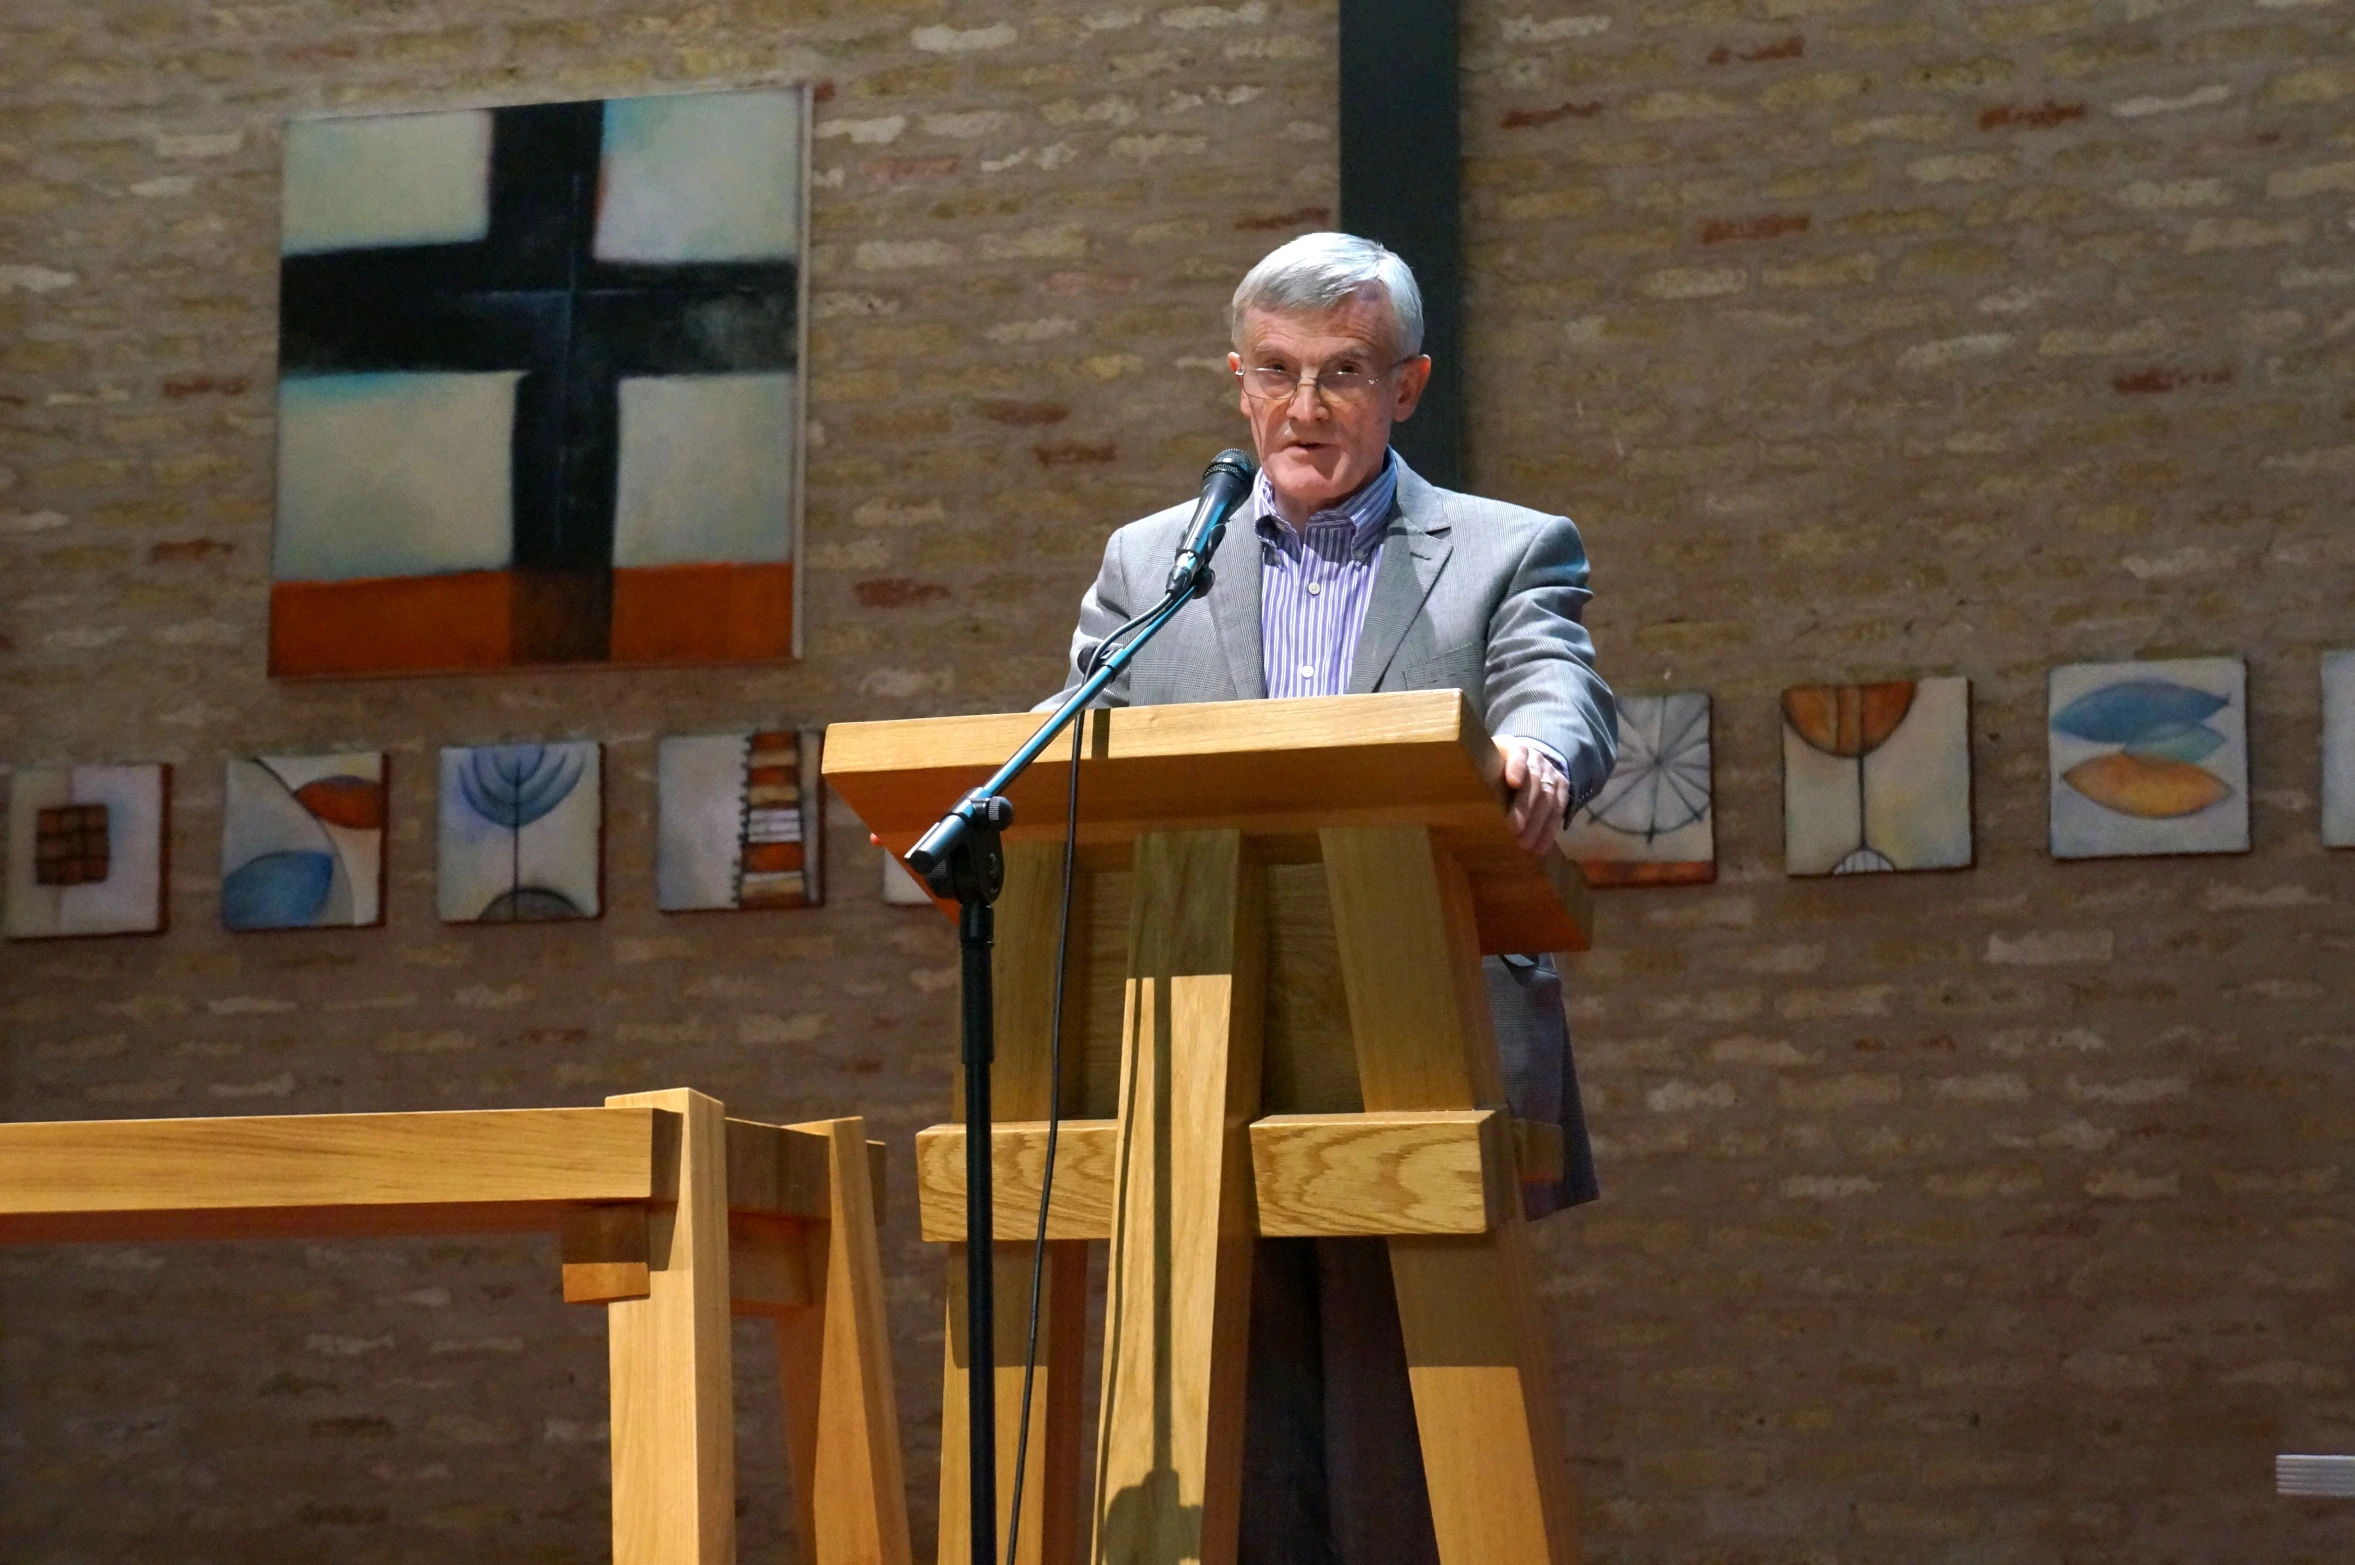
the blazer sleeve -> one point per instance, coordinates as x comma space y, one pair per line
1103, 609
1541, 678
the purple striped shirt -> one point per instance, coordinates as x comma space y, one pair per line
1315, 582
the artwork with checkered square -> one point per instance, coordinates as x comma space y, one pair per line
69, 845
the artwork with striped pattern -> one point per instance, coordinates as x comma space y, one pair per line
739, 821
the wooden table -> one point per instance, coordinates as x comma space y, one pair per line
667, 1212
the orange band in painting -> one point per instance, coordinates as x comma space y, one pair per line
702, 613
392, 624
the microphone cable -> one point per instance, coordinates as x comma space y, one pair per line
1046, 1193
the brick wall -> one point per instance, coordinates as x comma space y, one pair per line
1983, 1216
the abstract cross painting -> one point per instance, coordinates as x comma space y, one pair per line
2338, 748
539, 396
522, 833
86, 851
302, 841
1877, 777
2149, 758
739, 821
1651, 823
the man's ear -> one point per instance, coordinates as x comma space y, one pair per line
1413, 376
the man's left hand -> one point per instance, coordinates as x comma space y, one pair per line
1541, 794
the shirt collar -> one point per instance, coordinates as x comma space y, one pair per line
1367, 511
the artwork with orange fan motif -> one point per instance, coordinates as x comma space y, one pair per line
1877, 777
2149, 758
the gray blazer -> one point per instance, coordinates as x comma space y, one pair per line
1472, 594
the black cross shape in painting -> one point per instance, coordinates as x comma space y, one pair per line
533, 296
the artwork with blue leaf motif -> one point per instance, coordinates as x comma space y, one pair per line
2149, 758
522, 828
302, 841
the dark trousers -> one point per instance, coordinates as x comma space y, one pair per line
1332, 1465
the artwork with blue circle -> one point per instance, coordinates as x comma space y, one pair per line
521, 833
302, 841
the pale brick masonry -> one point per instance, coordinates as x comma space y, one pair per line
1996, 1215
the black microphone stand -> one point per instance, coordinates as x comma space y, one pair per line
962, 857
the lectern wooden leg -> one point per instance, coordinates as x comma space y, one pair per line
674, 1431
1177, 1313
834, 1361
1050, 1484
1476, 1350
1023, 982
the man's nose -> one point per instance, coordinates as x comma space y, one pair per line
1316, 402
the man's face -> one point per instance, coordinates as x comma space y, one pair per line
1317, 447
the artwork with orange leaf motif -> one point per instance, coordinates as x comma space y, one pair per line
2149, 758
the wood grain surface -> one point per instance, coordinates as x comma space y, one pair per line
1176, 1320
482, 1171
1278, 771
674, 1428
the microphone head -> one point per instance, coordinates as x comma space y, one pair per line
1235, 461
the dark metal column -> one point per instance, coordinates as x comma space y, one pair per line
1401, 183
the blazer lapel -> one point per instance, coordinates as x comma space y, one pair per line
1414, 552
1233, 602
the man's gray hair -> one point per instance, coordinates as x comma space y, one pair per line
1320, 272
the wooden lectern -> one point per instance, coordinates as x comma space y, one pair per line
1275, 1023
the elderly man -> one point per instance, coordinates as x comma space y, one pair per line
1346, 572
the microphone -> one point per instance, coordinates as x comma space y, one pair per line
1224, 484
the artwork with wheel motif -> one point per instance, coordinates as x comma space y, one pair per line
522, 833
1877, 777
1651, 824
2149, 758
302, 841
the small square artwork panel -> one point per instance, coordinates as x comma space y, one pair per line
901, 888
2338, 748
1652, 823
302, 841
521, 833
1877, 777
86, 851
539, 390
739, 821
2149, 758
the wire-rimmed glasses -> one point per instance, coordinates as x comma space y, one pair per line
1343, 383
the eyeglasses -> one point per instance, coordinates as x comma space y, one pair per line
1279, 383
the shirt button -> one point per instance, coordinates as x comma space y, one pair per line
1308, 671
1315, 587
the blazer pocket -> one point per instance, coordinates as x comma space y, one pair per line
1464, 666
